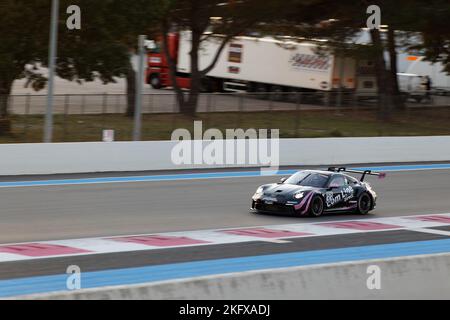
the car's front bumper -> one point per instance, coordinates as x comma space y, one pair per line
273, 208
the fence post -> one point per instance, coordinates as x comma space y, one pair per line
26, 115
118, 111
339, 98
240, 109
214, 102
104, 108
298, 97
9, 102
53, 48
150, 103
208, 109
269, 122
104, 103
174, 112
354, 102
137, 132
65, 114
83, 102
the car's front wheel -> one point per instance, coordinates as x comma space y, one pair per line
155, 81
364, 203
317, 206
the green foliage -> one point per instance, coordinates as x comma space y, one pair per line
210, 19
432, 22
100, 50
22, 40
110, 28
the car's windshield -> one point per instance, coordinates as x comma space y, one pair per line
308, 179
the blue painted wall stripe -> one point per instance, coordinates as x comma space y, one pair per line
192, 176
128, 276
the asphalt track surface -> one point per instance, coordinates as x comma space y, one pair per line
111, 209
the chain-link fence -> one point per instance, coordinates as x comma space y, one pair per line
83, 117
82, 104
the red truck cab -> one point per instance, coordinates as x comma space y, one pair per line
158, 72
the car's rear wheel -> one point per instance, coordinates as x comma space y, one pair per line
364, 203
317, 206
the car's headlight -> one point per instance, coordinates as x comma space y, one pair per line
260, 190
299, 195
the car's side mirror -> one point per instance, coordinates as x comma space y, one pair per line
282, 180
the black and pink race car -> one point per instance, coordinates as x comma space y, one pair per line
314, 192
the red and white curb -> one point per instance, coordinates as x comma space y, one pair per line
274, 233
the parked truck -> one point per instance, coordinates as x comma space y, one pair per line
260, 64
440, 79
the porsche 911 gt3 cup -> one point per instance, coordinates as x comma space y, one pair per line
315, 192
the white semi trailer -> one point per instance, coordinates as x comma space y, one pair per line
264, 65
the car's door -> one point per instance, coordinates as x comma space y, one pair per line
336, 195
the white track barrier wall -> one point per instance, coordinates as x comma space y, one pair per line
21, 159
419, 277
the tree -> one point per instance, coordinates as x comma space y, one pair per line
401, 20
435, 32
418, 25
340, 22
236, 17
101, 49
106, 42
128, 20
21, 43
336, 21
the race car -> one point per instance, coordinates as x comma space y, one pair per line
315, 192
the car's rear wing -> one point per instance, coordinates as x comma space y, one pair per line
363, 173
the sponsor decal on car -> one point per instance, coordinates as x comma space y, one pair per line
331, 199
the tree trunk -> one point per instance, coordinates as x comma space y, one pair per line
172, 68
131, 90
383, 79
4, 105
190, 107
5, 91
397, 99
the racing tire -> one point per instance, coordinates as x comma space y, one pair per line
364, 203
317, 206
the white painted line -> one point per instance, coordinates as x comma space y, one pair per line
432, 231
199, 176
102, 245
6, 257
280, 241
412, 222
314, 229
